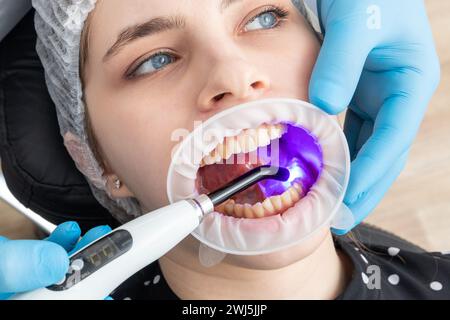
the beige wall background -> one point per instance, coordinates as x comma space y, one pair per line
417, 208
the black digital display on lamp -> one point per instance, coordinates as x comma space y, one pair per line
94, 257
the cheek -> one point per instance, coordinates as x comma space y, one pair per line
137, 146
282, 258
294, 67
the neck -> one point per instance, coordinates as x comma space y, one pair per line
321, 275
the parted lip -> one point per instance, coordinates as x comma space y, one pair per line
242, 236
195, 148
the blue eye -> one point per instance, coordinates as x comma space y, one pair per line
264, 21
154, 63
268, 19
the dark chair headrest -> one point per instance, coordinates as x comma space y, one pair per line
37, 168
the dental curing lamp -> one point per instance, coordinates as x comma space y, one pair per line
99, 268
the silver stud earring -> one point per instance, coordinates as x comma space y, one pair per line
118, 184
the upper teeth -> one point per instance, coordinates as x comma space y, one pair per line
247, 141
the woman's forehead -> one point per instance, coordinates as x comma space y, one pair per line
122, 11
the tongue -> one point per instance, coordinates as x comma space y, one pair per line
213, 177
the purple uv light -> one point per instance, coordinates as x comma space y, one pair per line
300, 152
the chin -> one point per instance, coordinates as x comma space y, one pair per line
282, 258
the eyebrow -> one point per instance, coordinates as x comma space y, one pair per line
154, 26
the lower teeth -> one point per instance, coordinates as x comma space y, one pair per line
270, 206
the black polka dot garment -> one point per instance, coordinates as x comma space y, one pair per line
391, 273
385, 267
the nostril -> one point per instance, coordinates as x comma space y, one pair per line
258, 85
219, 97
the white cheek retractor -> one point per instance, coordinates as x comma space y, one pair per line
220, 234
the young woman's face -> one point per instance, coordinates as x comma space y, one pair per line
155, 67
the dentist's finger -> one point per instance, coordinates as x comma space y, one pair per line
352, 129
341, 61
66, 235
372, 198
31, 264
395, 128
91, 236
367, 203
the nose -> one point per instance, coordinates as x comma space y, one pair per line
231, 81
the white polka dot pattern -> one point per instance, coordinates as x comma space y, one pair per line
365, 278
436, 286
394, 279
393, 251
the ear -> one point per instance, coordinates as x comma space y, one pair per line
111, 185
111, 178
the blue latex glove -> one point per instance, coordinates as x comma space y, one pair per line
381, 62
27, 265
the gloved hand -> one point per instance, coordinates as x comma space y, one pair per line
379, 59
27, 265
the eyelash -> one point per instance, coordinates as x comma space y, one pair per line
280, 12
